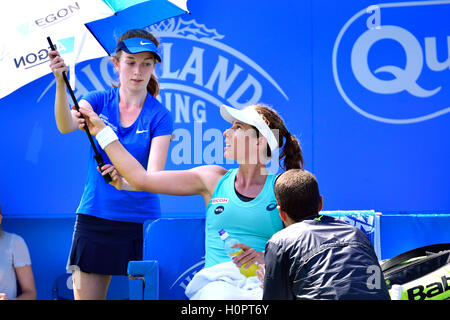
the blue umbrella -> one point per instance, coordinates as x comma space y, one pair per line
132, 14
81, 30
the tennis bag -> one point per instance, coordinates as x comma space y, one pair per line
419, 274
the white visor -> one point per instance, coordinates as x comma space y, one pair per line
250, 116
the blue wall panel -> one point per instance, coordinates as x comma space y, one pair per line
372, 146
376, 139
49, 240
374, 125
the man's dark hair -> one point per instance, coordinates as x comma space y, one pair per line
297, 193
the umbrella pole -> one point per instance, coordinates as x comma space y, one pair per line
98, 156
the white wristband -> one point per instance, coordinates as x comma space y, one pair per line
106, 136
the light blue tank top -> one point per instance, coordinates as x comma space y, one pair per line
253, 223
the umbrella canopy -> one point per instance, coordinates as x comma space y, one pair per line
81, 30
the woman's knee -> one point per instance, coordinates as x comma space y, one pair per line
90, 286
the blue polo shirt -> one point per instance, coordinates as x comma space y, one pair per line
103, 200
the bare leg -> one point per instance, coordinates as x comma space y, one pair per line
90, 286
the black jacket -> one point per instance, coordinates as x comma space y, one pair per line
322, 258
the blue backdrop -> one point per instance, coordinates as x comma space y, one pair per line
365, 90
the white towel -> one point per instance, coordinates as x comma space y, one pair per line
223, 282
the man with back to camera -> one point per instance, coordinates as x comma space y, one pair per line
317, 256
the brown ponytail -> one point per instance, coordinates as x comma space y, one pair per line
291, 156
153, 84
291, 153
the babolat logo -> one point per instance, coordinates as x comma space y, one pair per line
392, 69
55, 16
429, 291
33, 59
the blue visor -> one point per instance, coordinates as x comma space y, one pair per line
137, 45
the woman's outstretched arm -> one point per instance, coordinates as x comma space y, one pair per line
197, 181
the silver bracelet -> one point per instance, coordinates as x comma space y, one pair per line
106, 136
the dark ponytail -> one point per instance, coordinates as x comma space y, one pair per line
291, 156
153, 84
292, 153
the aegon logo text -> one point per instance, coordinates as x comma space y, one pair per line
415, 57
50, 19
33, 59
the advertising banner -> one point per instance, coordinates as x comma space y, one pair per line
365, 88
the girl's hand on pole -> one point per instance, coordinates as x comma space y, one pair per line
117, 179
57, 65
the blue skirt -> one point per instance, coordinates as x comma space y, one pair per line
104, 246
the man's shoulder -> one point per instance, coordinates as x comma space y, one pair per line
307, 229
289, 234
